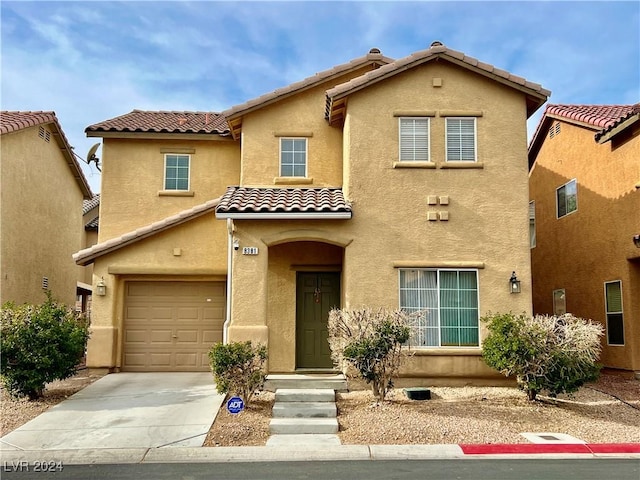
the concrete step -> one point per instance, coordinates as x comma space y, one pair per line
304, 410
287, 426
305, 395
321, 439
334, 382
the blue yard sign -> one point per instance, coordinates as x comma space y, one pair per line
235, 405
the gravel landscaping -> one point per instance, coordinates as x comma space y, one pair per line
607, 411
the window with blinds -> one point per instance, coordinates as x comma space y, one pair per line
461, 139
446, 306
615, 322
532, 223
414, 139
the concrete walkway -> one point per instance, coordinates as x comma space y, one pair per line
125, 410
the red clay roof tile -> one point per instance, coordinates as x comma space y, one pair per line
600, 116
164, 122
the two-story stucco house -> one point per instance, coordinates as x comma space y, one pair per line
42, 189
585, 221
380, 182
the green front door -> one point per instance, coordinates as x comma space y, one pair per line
316, 295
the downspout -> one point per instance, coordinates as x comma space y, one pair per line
227, 321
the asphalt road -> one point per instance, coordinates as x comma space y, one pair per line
459, 469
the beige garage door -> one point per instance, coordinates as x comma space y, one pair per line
171, 326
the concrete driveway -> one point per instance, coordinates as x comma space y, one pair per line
126, 410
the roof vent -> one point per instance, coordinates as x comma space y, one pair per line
375, 51
437, 44
182, 121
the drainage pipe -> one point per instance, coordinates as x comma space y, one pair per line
227, 321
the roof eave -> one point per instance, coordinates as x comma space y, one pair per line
285, 215
605, 137
159, 135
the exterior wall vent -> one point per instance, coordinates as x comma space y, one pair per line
44, 134
45, 283
554, 130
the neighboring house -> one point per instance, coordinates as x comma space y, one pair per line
41, 225
380, 182
90, 219
585, 221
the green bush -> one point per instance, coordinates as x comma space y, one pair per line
39, 344
371, 342
238, 368
545, 353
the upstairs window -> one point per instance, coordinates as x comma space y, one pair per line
414, 139
447, 301
176, 172
532, 223
461, 139
293, 157
613, 302
567, 198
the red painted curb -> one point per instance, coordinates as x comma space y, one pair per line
533, 448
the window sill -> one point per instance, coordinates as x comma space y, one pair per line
414, 165
462, 165
447, 351
292, 180
176, 193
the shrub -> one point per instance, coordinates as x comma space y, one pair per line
40, 344
370, 341
553, 354
238, 368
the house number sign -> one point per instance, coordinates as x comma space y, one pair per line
249, 250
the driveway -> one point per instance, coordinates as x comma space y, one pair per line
126, 410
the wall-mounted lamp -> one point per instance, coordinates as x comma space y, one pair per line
636, 240
236, 244
101, 288
514, 283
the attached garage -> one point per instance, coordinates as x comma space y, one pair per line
171, 326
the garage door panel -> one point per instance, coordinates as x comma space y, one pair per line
171, 326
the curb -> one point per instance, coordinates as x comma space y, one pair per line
312, 453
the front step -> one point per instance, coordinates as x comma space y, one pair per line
304, 410
335, 382
289, 426
305, 395
321, 439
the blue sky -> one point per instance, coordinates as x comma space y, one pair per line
90, 61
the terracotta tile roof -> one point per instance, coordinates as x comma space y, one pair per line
599, 116
140, 121
244, 201
14, 121
93, 224
634, 111
602, 118
88, 255
536, 95
88, 205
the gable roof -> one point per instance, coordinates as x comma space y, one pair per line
90, 204
233, 115
89, 255
15, 121
279, 203
141, 121
336, 96
603, 119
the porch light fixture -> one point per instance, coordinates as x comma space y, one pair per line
514, 283
636, 240
101, 288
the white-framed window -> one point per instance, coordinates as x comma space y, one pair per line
414, 139
567, 198
559, 302
460, 136
446, 302
293, 157
176, 171
613, 306
532, 223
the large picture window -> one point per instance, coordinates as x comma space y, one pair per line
567, 198
461, 139
414, 139
176, 172
446, 304
293, 157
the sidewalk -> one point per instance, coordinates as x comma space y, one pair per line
311, 453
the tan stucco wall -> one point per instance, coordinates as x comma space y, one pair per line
581, 251
40, 219
202, 256
133, 176
487, 226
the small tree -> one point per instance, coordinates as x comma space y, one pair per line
545, 353
370, 341
40, 344
238, 368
